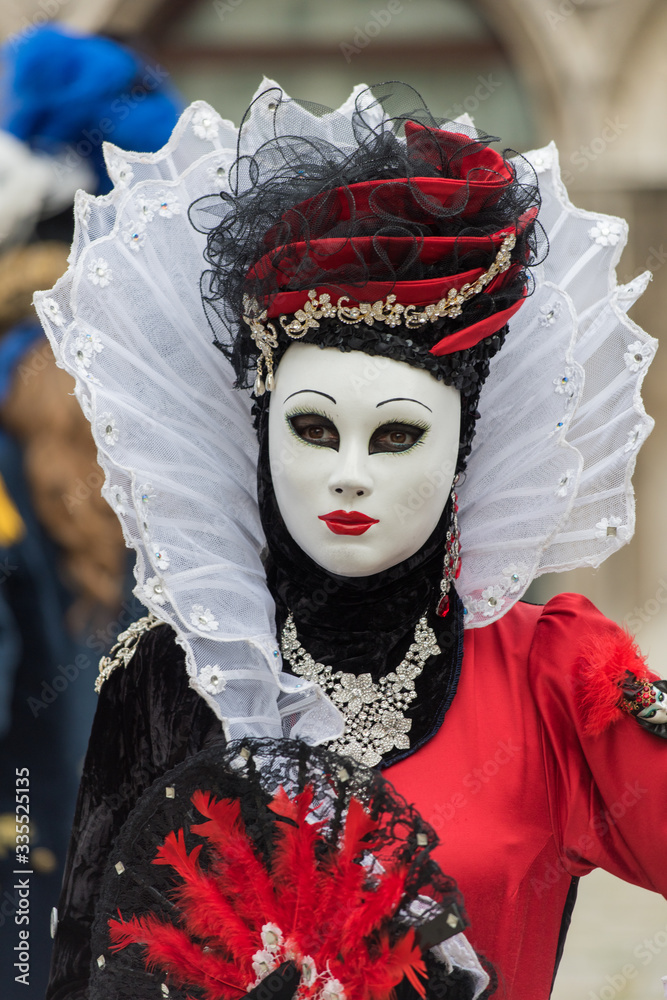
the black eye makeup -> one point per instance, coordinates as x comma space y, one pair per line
392, 437
314, 428
396, 436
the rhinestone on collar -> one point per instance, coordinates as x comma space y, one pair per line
373, 711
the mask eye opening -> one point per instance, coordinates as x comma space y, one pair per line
313, 428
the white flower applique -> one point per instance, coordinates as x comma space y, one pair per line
52, 312
85, 347
160, 558
564, 483
637, 356
83, 211
117, 497
308, 971
489, 603
515, 576
634, 438
607, 234
217, 173
492, 601
204, 124
263, 962
146, 209
332, 989
627, 294
88, 375
84, 402
549, 313
541, 161
99, 272
611, 527
153, 590
272, 936
203, 619
563, 384
146, 493
469, 605
120, 171
212, 680
106, 425
134, 235
167, 206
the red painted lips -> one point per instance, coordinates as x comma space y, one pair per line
347, 522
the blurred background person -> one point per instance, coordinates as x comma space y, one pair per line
65, 582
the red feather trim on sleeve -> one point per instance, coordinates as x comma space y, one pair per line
600, 673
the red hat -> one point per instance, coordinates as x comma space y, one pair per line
413, 249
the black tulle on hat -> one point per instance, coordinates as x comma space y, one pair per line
396, 206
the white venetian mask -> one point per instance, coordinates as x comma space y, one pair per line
363, 452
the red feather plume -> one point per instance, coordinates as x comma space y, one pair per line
599, 673
294, 865
342, 879
371, 911
358, 825
168, 947
238, 868
207, 911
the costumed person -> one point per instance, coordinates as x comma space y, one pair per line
64, 577
349, 580
63, 93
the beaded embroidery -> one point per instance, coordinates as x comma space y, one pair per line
647, 702
124, 649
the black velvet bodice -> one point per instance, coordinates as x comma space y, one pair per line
148, 720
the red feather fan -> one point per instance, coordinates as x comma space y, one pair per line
324, 907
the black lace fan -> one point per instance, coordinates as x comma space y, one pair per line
277, 869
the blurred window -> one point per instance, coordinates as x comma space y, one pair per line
317, 50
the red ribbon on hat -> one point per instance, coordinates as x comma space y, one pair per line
480, 176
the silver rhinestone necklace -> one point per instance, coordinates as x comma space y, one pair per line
373, 711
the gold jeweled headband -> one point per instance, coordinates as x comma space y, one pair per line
387, 311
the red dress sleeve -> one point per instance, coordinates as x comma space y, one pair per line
606, 776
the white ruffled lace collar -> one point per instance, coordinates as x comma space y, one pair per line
548, 482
